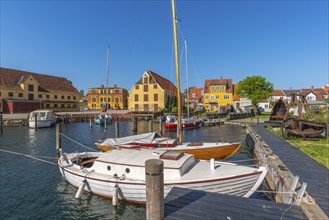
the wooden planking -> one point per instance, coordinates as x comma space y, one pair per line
300, 164
192, 204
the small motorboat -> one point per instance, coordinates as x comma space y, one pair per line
43, 119
187, 123
100, 172
201, 151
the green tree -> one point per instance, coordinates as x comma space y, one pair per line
255, 88
81, 92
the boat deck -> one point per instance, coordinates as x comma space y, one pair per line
308, 170
192, 204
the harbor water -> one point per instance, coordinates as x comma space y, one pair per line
34, 188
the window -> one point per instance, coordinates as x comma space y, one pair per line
108, 99
146, 88
55, 96
31, 96
136, 97
93, 91
101, 100
193, 95
10, 94
223, 88
155, 86
63, 97
74, 97
145, 80
117, 99
68, 97
55, 105
155, 97
137, 87
146, 98
156, 107
47, 96
136, 107
212, 98
93, 99
63, 105
20, 95
47, 105
117, 91
217, 87
30, 87
211, 88
146, 107
217, 97
207, 97
40, 96
226, 97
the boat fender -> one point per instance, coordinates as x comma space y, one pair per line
80, 190
115, 195
212, 164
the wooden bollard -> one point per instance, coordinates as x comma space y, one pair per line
90, 123
117, 129
36, 122
1, 124
135, 125
150, 126
160, 126
58, 138
154, 189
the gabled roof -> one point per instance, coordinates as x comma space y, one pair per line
278, 93
164, 83
291, 91
214, 82
197, 92
10, 79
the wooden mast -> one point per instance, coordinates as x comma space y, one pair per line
179, 118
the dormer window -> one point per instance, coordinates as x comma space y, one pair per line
145, 80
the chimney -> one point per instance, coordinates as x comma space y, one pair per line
312, 87
102, 86
115, 85
221, 77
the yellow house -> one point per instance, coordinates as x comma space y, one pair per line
152, 92
116, 97
217, 94
22, 91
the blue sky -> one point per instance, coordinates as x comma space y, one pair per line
284, 41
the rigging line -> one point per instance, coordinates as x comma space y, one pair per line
292, 205
77, 142
26, 155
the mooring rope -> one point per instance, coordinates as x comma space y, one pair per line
77, 142
27, 155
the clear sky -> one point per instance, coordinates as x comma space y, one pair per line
284, 41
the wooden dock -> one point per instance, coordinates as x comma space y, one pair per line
212, 122
297, 163
191, 204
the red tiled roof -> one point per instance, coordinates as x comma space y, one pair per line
212, 82
163, 82
197, 91
9, 79
278, 93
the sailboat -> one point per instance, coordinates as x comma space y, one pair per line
100, 172
202, 151
105, 118
187, 123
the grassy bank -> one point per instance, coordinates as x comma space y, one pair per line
316, 149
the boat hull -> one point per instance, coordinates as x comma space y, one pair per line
135, 190
42, 124
173, 126
204, 152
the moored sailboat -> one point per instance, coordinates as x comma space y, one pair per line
125, 169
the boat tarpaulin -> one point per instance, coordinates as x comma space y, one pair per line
140, 138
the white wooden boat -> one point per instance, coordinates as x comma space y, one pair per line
101, 171
45, 118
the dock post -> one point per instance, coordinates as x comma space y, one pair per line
160, 124
115, 195
150, 126
36, 122
58, 138
90, 123
154, 189
105, 123
1, 124
292, 190
135, 125
117, 129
